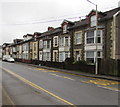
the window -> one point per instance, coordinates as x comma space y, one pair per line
66, 55
55, 40
40, 55
99, 54
41, 44
61, 41
78, 38
34, 46
66, 41
90, 37
61, 56
45, 44
44, 56
90, 56
48, 44
93, 21
65, 29
48, 56
99, 36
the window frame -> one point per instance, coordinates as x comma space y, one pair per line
64, 28
55, 40
93, 21
76, 37
40, 44
94, 37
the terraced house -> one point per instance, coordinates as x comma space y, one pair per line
34, 47
83, 34
73, 39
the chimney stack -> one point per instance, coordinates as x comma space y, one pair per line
119, 4
50, 28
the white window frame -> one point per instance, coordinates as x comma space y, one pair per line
66, 43
61, 56
93, 21
94, 37
90, 57
45, 44
61, 41
48, 44
76, 37
65, 28
94, 56
55, 44
99, 36
40, 55
40, 44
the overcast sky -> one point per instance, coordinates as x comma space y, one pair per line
19, 17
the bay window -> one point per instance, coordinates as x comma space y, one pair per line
91, 37
61, 56
66, 41
45, 44
61, 42
90, 56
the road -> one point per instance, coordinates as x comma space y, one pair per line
27, 85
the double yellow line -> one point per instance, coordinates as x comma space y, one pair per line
36, 86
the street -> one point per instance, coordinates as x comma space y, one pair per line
27, 85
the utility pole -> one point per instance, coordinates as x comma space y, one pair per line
96, 39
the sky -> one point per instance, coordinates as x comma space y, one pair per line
21, 17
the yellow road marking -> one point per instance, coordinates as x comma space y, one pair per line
85, 81
110, 88
101, 82
55, 75
37, 87
94, 81
39, 69
62, 72
68, 78
61, 76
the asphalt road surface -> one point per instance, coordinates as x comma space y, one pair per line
27, 85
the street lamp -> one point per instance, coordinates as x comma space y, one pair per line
96, 39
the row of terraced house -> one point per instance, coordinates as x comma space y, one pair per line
74, 40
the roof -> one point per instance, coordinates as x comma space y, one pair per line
54, 31
109, 14
106, 16
80, 23
28, 35
67, 22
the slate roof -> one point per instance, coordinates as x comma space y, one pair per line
106, 15
109, 14
54, 31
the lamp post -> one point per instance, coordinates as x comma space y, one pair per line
96, 39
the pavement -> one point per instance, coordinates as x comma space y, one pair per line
6, 100
113, 78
